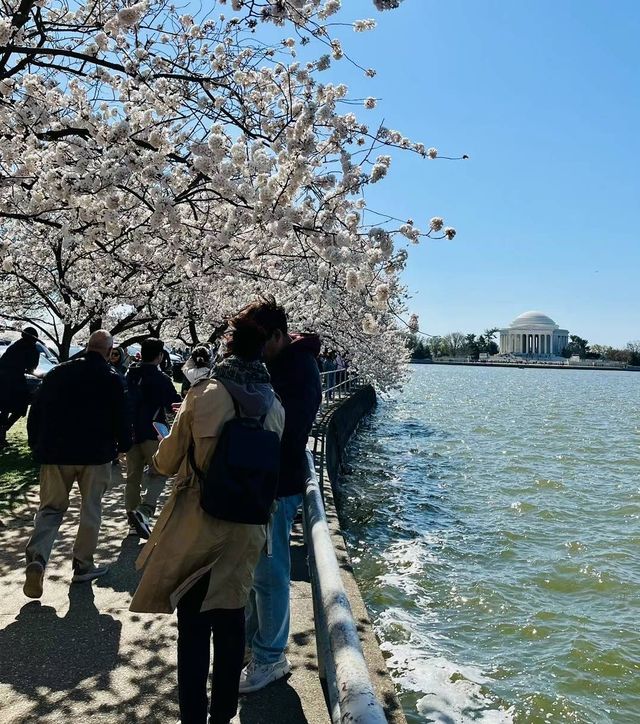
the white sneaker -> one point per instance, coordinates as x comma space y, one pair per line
256, 676
82, 576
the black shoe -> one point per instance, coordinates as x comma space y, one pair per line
34, 578
140, 522
89, 574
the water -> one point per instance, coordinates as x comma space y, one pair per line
493, 520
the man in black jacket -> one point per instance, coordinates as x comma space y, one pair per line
77, 425
150, 393
292, 364
20, 357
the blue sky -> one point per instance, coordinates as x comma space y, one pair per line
544, 95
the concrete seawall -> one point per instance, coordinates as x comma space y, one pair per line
339, 429
343, 423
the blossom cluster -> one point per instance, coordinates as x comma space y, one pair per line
160, 170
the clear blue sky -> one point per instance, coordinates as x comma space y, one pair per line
544, 95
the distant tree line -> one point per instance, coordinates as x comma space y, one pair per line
457, 344
454, 344
580, 347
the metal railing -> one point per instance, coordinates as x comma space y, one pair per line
337, 384
334, 390
341, 662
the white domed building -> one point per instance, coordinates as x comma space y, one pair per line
533, 334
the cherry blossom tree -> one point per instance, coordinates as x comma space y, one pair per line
158, 170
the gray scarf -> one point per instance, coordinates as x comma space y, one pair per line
248, 383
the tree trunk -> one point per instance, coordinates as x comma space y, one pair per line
95, 325
193, 331
65, 343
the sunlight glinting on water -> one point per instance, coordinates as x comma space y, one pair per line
492, 517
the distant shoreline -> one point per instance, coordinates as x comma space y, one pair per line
529, 365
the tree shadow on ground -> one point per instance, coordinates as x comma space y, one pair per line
299, 565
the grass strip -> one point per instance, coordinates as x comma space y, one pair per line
18, 470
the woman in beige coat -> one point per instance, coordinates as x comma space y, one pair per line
200, 564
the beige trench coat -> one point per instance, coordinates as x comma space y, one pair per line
186, 542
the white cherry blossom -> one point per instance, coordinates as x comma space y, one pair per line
159, 170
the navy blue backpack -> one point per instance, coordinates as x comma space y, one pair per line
241, 482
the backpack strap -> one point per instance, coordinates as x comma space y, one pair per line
236, 406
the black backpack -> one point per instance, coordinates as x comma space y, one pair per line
241, 481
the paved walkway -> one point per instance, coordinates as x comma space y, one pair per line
78, 654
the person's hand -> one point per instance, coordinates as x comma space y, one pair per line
175, 406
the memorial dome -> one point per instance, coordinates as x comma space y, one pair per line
533, 319
533, 334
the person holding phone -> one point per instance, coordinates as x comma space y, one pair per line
150, 395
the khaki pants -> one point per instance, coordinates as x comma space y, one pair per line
139, 462
56, 482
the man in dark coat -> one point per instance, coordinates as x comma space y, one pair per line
292, 364
77, 424
21, 357
150, 394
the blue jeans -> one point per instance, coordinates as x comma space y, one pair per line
268, 611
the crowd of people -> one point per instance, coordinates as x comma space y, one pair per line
228, 580
335, 367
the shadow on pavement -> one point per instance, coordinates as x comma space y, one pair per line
123, 576
59, 653
277, 702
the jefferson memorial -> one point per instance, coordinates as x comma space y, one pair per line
535, 335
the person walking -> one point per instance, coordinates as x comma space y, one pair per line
292, 364
150, 394
76, 426
202, 564
20, 357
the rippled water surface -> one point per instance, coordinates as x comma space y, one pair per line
493, 520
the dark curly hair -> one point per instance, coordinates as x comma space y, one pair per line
253, 326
